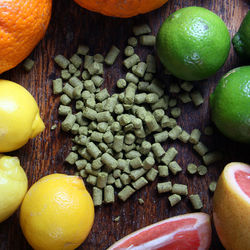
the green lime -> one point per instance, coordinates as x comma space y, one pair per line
241, 40
193, 43
230, 104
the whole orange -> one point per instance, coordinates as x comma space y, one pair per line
23, 24
121, 8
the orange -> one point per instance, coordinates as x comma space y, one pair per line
121, 8
23, 24
189, 231
57, 213
231, 206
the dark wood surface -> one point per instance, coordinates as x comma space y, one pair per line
71, 25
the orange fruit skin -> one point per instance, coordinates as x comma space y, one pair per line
231, 215
23, 24
121, 8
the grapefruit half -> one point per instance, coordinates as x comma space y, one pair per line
187, 232
231, 206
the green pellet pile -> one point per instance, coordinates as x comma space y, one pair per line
118, 138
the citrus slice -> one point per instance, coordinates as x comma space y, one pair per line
189, 231
231, 206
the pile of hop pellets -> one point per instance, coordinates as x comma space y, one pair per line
118, 138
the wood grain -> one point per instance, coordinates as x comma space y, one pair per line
71, 25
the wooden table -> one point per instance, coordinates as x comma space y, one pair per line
71, 25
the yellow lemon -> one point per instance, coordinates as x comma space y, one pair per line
19, 116
57, 213
13, 185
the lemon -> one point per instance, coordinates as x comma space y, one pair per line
230, 104
241, 40
57, 213
193, 43
19, 116
13, 185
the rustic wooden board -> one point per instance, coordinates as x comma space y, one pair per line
71, 25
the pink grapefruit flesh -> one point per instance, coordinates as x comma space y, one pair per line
189, 231
231, 206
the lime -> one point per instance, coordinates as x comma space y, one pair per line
230, 104
193, 43
241, 40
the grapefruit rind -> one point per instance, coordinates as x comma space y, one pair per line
201, 224
230, 171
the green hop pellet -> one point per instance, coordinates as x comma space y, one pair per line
130, 93
102, 95
95, 68
174, 167
142, 86
175, 112
132, 41
184, 136
64, 110
118, 183
145, 147
148, 77
111, 179
164, 187
90, 86
163, 171
121, 83
175, 132
62, 61
212, 157
130, 77
151, 63
28, 64
162, 103
195, 136
91, 180
152, 98
131, 61
93, 150
72, 68
109, 160
133, 154
68, 90
83, 173
202, 170
77, 92
118, 143
138, 184
212, 186
147, 40
125, 179
158, 149
137, 173
112, 55
169, 155
129, 51
156, 87
158, 114
103, 147
96, 136
88, 60
187, 86
174, 88
53, 127
57, 86
174, 199
180, 189
200, 148
75, 128
68, 123
109, 194
83, 50
196, 98
80, 120
102, 179
89, 113
79, 105
142, 29
77, 73
208, 131
117, 173
151, 123
184, 97
125, 193
76, 60
172, 102
97, 196
196, 201
151, 174
192, 168
83, 153
85, 75
108, 137
136, 163
81, 164
97, 80
71, 158
161, 137
129, 138
140, 69
141, 201
98, 58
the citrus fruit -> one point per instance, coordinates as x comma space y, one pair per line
230, 104
19, 116
189, 231
23, 25
57, 213
120, 8
231, 206
241, 40
193, 43
13, 185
